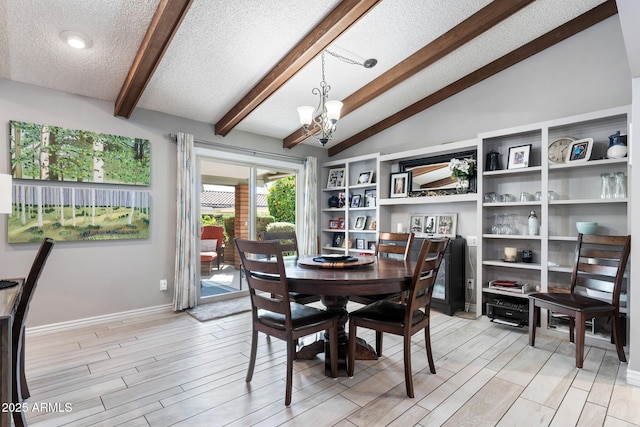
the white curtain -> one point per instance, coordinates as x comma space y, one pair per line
184, 295
309, 230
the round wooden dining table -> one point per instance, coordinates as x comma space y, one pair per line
335, 285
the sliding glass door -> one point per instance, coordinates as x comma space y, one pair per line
238, 199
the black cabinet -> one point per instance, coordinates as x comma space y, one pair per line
448, 292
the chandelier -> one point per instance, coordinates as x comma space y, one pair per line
320, 122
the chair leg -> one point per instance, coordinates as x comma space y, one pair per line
351, 351
572, 329
333, 350
579, 335
252, 357
533, 321
617, 338
378, 343
408, 378
427, 343
290, 354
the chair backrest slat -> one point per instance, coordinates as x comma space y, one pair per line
600, 266
394, 243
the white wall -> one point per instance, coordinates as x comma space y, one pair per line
582, 74
87, 279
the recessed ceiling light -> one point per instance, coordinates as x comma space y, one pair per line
76, 40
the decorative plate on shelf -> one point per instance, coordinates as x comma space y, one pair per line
559, 149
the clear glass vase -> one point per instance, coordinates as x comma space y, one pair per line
620, 185
462, 187
606, 190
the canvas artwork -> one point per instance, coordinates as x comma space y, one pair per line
51, 153
72, 213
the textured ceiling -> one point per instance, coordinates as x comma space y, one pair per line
223, 48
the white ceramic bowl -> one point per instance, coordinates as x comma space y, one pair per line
585, 227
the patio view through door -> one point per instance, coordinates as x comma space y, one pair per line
238, 200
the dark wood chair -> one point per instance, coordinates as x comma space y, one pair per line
278, 316
404, 319
389, 245
212, 246
20, 389
289, 245
596, 284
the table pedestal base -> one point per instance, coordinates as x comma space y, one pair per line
363, 350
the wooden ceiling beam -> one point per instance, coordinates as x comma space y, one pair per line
164, 24
347, 13
467, 30
563, 32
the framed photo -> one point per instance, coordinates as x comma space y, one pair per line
347, 244
580, 150
372, 225
519, 157
365, 177
371, 245
417, 223
361, 221
359, 243
338, 240
430, 224
336, 178
400, 184
447, 224
355, 200
334, 224
341, 225
370, 198
342, 200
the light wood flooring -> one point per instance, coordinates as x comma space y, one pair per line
168, 369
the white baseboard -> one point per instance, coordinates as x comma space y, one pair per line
72, 324
633, 378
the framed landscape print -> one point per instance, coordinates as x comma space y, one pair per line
52, 153
74, 213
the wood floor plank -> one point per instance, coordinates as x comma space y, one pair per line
162, 369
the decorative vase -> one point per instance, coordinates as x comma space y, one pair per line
463, 185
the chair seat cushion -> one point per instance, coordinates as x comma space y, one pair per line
208, 256
386, 312
303, 298
574, 302
301, 316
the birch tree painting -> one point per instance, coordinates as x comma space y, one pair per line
74, 213
53, 153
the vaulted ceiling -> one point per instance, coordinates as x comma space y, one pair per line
248, 64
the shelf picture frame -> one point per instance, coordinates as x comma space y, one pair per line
371, 225
417, 223
336, 178
355, 200
360, 244
519, 157
341, 224
365, 177
370, 198
371, 245
338, 240
400, 184
580, 150
334, 224
440, 225
360, 222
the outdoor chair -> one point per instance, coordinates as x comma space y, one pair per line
212, 246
